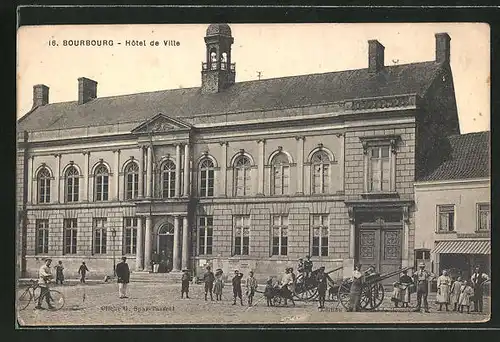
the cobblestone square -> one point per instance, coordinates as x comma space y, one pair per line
160, 304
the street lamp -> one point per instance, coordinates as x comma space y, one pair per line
113, 234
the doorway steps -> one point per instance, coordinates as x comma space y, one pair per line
147, 277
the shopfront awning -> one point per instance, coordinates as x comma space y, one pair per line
463, 247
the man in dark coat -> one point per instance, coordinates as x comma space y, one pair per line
208, 279
478, 279
82, 271
123, 275
237, 287
322, 285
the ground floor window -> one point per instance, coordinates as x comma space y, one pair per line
70, 236
280, 235
241, 235
319, 235
205, 235
130, 238
42, 236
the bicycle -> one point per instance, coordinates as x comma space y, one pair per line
56, 298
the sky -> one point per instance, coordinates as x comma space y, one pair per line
274, 50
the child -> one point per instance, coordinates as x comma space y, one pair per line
466, 291
219, 284
59, 272
405, 284
185, 283
455, 293
396, 293
251, 287
268, 292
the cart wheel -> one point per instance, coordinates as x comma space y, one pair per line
372, 296
343, 294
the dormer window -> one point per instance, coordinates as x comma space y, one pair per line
379, 164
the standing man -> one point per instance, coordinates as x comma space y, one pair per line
208, 279
155, 260
59, 273
356, 286
123, 275
251, 287
322, 285
82, 271
308, 266
185, 283
478, 279
422, 278
237, 286
44, 277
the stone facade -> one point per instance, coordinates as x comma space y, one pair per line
329, 155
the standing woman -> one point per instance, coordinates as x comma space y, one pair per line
443, 287
355, 292
219, 284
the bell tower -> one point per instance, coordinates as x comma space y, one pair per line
217, 73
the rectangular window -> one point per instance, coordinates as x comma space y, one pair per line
72, 189
100, 236
281, 179
70, 236
205, 235
446, 218
102, 187
379, 169
280, 235
483, 217
319, 235
42, 236
130, 229
241, 235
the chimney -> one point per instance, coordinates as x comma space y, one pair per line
40, 95
375, 56
443, 47
87, 90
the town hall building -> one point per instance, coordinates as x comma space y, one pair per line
239, 175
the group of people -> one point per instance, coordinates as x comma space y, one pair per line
458, 292
160, 263
59, 268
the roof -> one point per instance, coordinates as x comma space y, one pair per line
219, 29
463, 247
469, 157
258, 95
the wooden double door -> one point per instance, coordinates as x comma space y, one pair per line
380, 243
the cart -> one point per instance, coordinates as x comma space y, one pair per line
372, 290
307, 289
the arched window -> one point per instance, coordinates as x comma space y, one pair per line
320, 163
206, 178
43, 180
213, 59
101, 183
72, 184
223, 61
168, 179
131, 181
242, 176
280, 174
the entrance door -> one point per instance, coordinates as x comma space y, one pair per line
380, 244
165, 247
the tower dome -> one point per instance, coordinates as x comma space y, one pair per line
219, 30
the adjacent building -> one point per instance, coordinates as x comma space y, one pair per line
241, 175
453, 207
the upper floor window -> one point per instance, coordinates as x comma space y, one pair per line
320, 163
101, 183
446, 218
72, 184
319, 235
168, 179
241, 235
380, 163
130, 238
131, 181
379, 169
206, 178
43, 179
205, 235
42, 236
100, 236
280, 177
280, 235
483, 217
242, 180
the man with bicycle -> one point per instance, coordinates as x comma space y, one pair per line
44, 277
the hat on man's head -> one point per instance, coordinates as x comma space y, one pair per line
185, 270
322, 268
124, 258
48, 259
